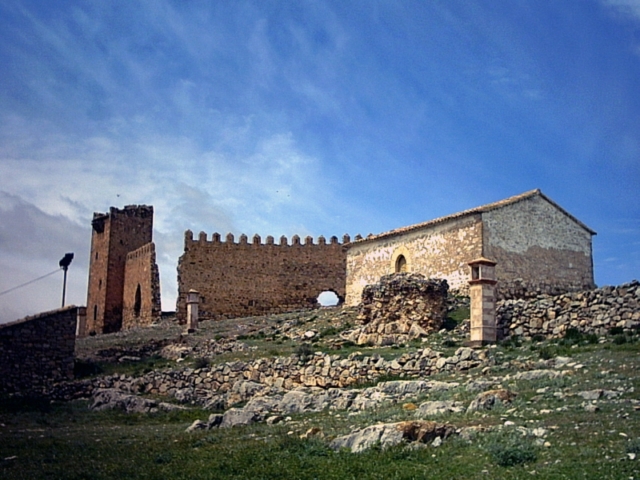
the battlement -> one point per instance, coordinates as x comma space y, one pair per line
145, 250
256, 240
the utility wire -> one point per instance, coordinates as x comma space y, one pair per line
30, 282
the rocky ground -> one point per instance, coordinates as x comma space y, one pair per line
557, 408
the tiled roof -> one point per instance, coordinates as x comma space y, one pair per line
473, 211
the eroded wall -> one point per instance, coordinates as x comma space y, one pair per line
141, 293
37, 351
252, 278
538, 249
438, 251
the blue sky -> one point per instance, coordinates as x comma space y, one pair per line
309, 118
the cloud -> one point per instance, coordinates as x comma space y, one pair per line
628, 8
31, 244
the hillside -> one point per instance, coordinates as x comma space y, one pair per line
291, 391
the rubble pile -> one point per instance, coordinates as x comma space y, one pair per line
400, 308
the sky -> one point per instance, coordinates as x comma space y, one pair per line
308, 118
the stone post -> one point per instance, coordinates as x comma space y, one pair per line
193, 299
482, 290
81, 322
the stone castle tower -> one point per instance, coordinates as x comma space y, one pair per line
122, 265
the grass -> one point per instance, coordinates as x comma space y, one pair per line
39, 439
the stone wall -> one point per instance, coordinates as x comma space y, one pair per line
114, 235
538, 248
244, 279
141, 297
281, 373
595, 311
37, 351
441, 251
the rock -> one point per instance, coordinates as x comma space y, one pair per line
437, 442
487, 400
387, 435
196, 425
312, 432
438, 407
238, 416
215, 419
591, 394
591, 407
110, 398
272, 420
534, 375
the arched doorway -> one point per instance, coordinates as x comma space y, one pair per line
328, 299
401, 264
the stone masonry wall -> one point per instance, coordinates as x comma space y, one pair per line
594, 311
538, 249
244, 279
114, 235
141, 297
37, 351
439, 251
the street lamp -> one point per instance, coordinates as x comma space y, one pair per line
64, 264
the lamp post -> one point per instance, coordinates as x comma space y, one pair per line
64, 264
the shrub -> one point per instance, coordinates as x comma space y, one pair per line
537, 338
510, 448
304, 351
616, 331
449, 343
619, 339
200, 362
547, 353
573, 334
633, 446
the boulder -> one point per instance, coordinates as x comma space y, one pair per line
110, 398
239, 416
438, 407
488, 400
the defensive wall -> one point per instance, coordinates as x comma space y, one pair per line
251, 278
37, 351
141, 297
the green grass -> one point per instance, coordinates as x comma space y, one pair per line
41, 440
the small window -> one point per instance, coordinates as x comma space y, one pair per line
100, 284
95, 313
401, 264
96, 255
137, 305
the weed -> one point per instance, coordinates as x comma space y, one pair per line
510, 448
200, 362
304, 352
633, 446
619, 339
616, 331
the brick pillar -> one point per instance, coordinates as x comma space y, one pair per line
193, 299
482, 290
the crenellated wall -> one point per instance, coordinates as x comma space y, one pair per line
141, 297
255, 278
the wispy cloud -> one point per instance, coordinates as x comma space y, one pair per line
629, 8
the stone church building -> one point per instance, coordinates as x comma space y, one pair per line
539, 248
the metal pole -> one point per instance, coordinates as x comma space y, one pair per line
64, 284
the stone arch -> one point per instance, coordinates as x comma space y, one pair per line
400, 261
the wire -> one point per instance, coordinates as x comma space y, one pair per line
29, 282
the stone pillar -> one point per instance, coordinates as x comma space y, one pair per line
193, 299
81, 322
482, 290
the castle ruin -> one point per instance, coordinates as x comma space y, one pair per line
538, 246
124, 282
